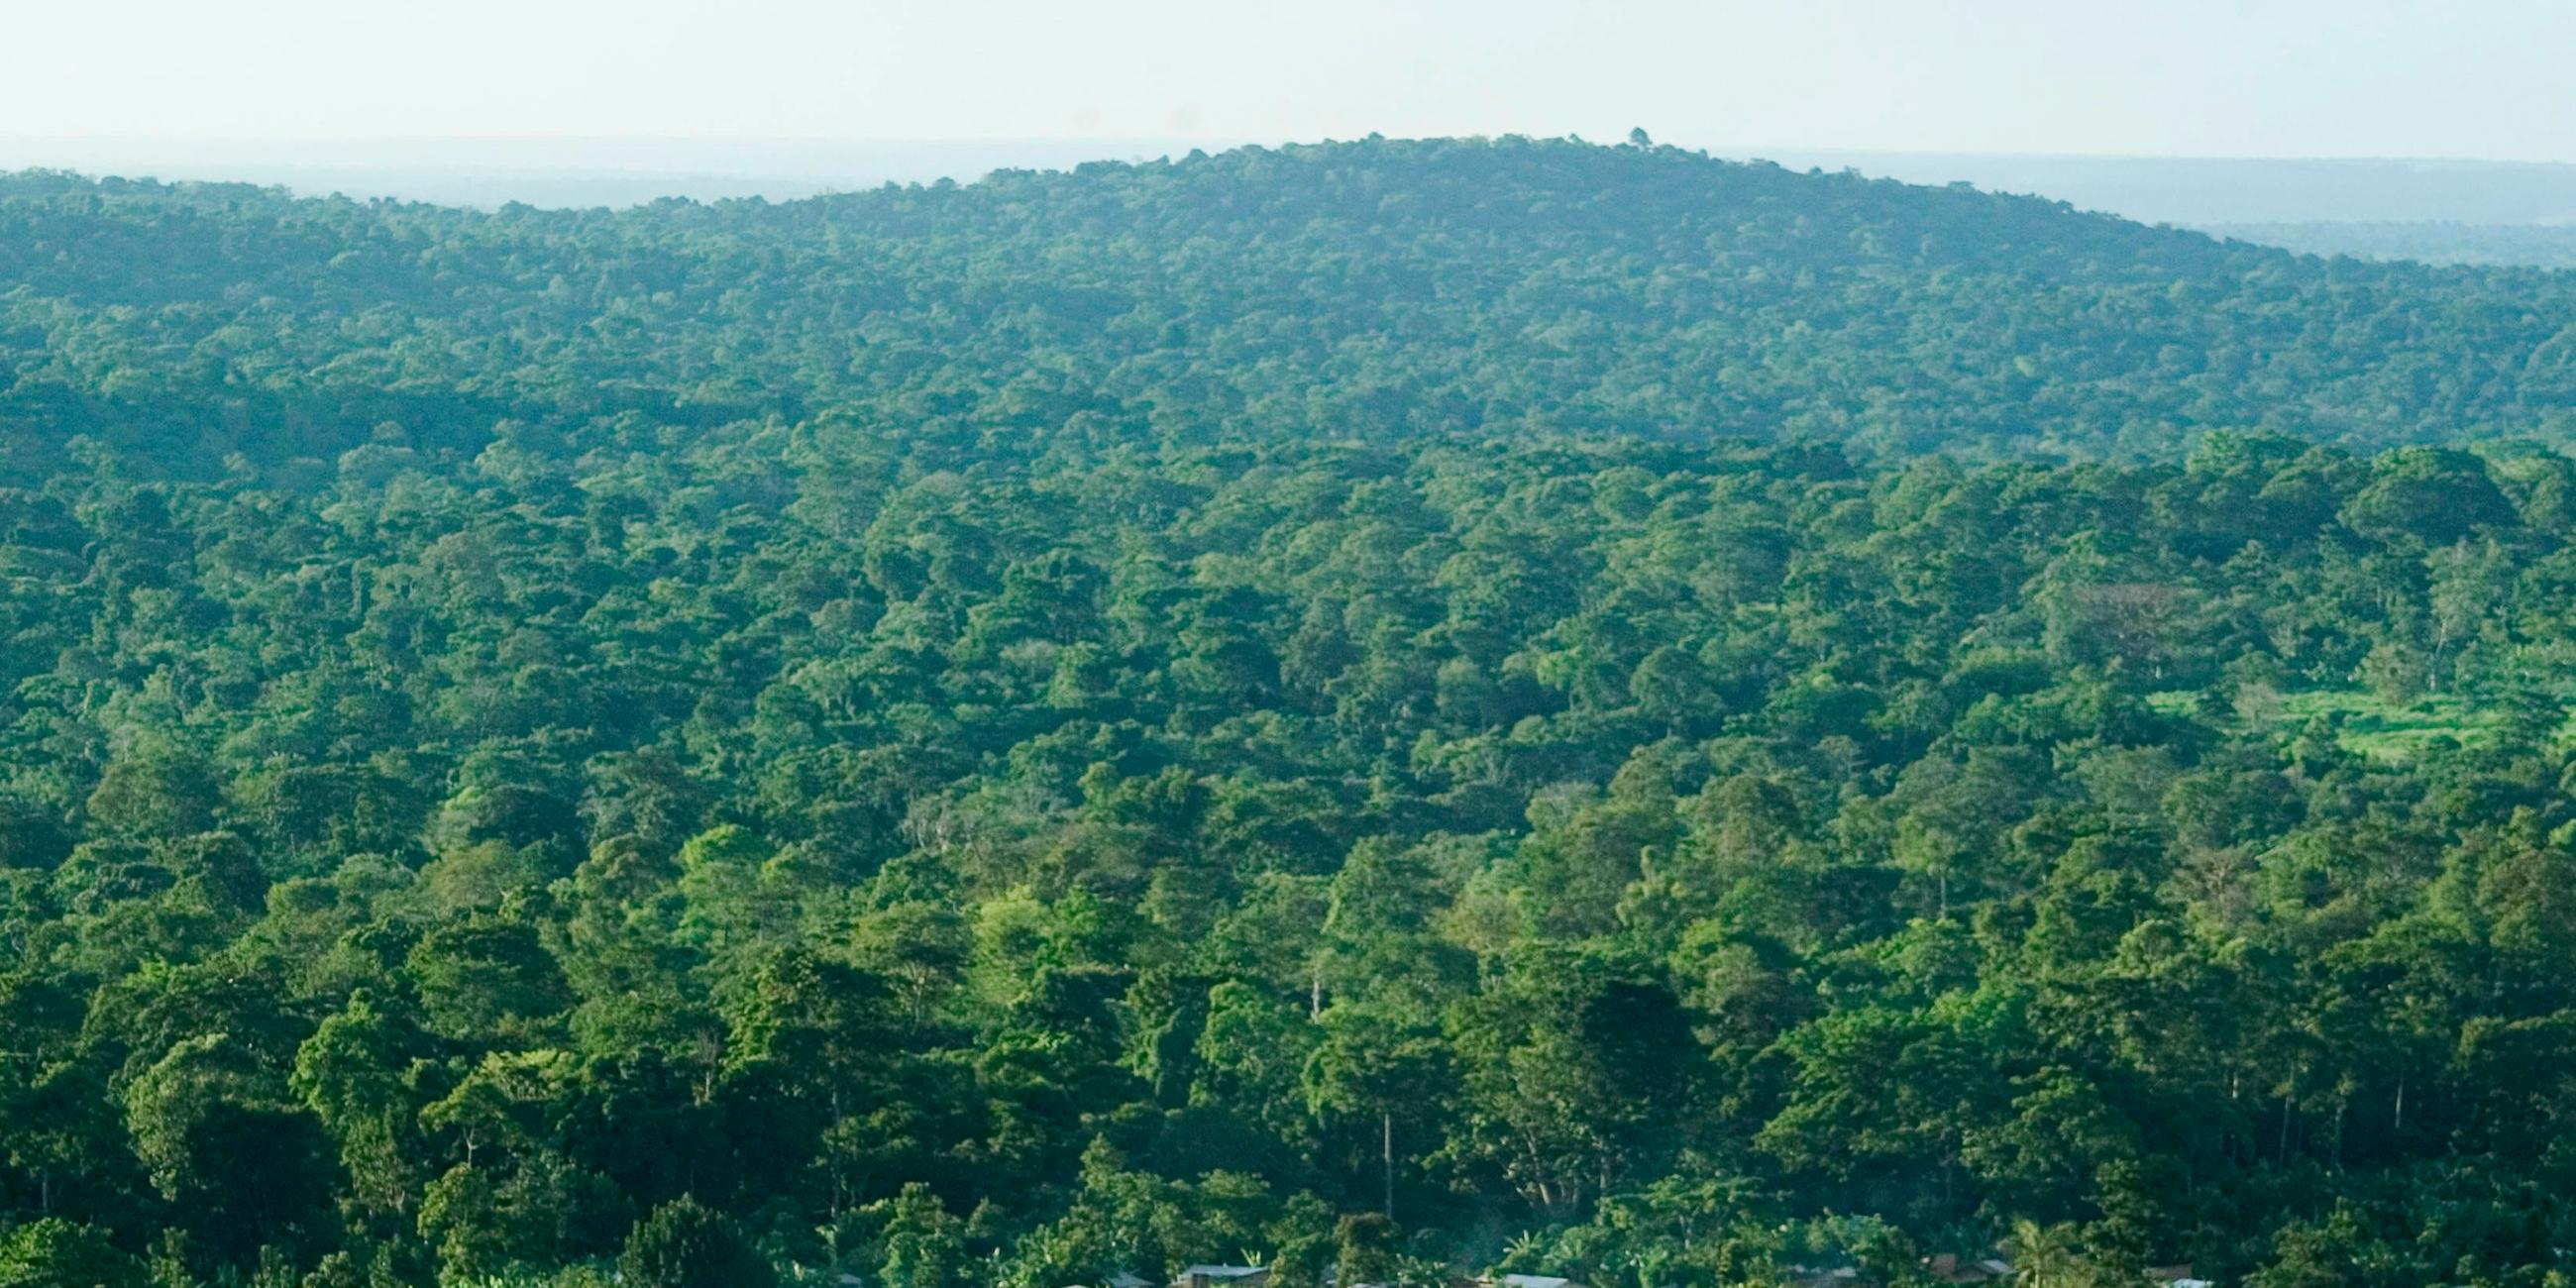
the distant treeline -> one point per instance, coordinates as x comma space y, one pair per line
2529, 245
1372, 292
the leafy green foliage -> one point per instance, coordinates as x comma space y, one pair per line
54, 1253
683, 1245
1244, 710
1373, 291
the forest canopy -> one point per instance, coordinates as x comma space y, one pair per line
1375, 292
1385, 710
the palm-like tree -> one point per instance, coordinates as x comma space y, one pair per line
2046, 1257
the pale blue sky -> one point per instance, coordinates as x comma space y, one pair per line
2466, 78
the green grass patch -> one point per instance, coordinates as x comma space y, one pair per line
2395, 734
2364, 723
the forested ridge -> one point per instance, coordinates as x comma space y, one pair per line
1376, 291
1390, 710
2535, 245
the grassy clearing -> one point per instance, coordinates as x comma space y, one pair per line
2395, 734
2365, 723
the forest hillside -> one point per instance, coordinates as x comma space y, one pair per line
1392, 711
1378, 292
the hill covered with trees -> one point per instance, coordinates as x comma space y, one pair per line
1390, 710
1377, 292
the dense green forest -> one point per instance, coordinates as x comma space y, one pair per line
1390, 710
1376, 292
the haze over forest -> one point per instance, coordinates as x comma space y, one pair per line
2437, 211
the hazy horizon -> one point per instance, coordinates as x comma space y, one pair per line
624, 171
2197, 78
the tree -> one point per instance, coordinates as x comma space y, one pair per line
684, 1245
155, 788
1366, 1246
924, 1244
54, 1253
1872, 1087
1574, 1076
1381, 1065
354, 1073
2047, 1257
244, 1167
488, 978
